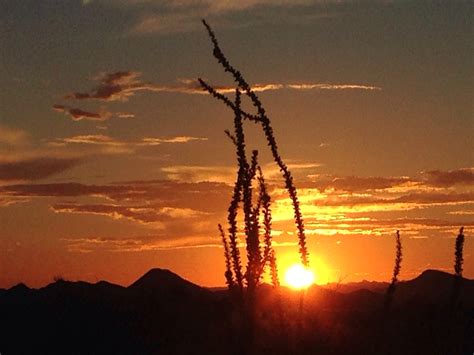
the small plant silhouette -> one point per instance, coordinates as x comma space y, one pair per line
458, 264
398, 260
245, 175
396, 270
458, 253
251, 196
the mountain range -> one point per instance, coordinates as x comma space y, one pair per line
161, 313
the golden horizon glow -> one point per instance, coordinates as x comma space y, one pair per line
299, 277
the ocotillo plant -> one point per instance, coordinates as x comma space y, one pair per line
229, 277
256, 258
243, 182
458, 263
396, 270
458, 253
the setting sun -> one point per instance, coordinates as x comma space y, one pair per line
299, 277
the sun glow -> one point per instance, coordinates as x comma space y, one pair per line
299, 277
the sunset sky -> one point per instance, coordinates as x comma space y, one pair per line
113, 161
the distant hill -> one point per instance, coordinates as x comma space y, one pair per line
373, 286
164, 283
162, 313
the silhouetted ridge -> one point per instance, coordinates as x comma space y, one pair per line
433, 286
431, 275
21, 287
373, 286
162, 313
164, 281
19, 290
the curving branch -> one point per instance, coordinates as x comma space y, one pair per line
263, 119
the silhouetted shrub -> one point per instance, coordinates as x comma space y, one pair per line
245, 174
458, 253
396, 270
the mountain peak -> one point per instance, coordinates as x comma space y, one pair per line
161, 279
21, 287
431, 275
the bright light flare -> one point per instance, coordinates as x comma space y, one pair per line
299, 277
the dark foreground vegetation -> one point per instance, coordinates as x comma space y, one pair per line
163, 314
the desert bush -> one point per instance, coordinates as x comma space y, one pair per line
458, 253
246, 173
251, 197
396, 271
458, 266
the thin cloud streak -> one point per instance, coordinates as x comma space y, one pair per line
77, 114
120, 86
12, 136
430, 199
464, 176
184, 16
104, 140
325, 86
137, 244
35, 168
143, 214
224, 174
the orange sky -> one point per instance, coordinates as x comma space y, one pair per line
113, 162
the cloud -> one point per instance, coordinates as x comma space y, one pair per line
121, 85
35, 168
397, 222
195, 173
12, 136
147, 141
139, 244
78, 114
449, 178
325, 86
177, 16
203, 196
115, 86
429, 180
422, 198
356, 183
120, 146
141, 213
8, 201
463, 212
95, 139
125, 115
225, 174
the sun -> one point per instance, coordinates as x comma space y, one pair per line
299, 277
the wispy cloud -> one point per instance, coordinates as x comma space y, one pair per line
140, 213
115, 86
77, 114
449, 178
225, 174
35, 169
138, 244
183, 16
195, 173
415, 199
12, 136
125, 115
325, 86
121, 85
355, 183
194, 199
203, 196
127, 146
